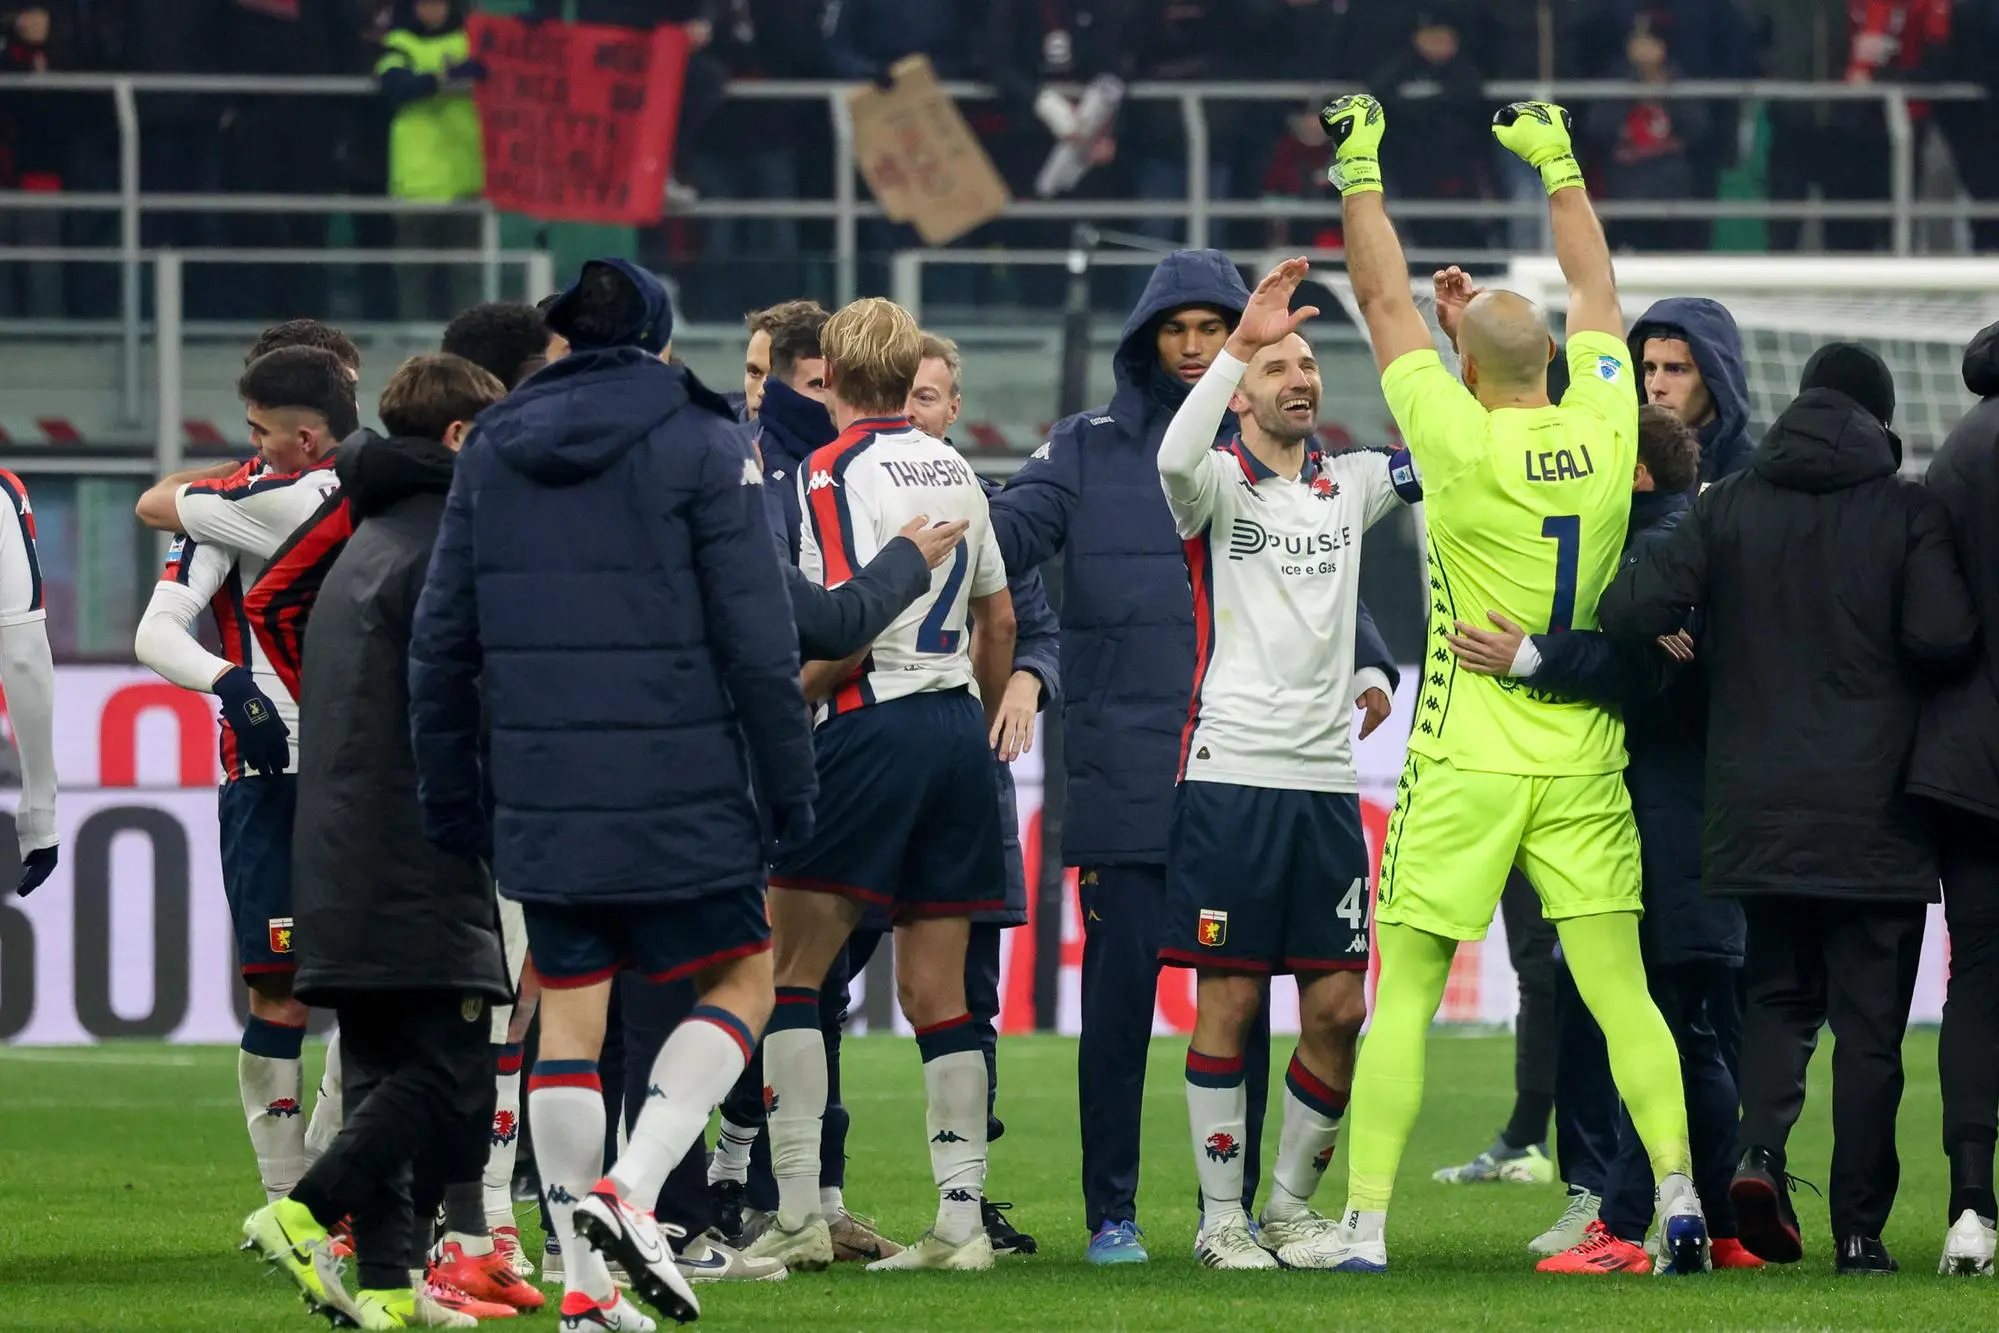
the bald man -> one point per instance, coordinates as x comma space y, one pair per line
1526, 509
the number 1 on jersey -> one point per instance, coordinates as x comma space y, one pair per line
1566, 530
931, 636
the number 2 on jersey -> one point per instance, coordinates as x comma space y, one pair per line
1567, 532
931, 636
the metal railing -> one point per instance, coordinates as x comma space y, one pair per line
1197, 212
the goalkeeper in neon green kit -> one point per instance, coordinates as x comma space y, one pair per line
1526, 506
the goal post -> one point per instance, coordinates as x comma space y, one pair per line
1918, 313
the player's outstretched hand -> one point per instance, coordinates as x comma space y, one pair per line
1355, 124
37, 866
1455, 290
1375, 706
1540, 134
1268, 317
246, 710
1488, 652
935, 541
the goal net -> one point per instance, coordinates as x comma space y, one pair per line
1917, 313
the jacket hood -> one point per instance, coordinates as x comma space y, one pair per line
375, 472
1657, 510
1184, 278
577, 418
1981, 362
1717, 346
797, 424
1826, 442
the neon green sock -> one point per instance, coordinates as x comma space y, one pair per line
1388, 1079
1604, 958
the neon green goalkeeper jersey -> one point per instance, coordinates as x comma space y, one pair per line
1526, 510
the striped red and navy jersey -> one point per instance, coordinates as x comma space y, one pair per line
280, 602
21, 595
856, 494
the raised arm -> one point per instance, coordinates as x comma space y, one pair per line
1539, 133
1375, 263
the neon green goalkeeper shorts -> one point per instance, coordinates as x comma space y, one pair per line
1456, 833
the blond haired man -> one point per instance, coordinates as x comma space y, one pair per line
908, 813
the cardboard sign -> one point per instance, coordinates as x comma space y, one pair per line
578, 118
920, 158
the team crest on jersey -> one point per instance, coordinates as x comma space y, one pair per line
281, 934
1222, 1147
1213, 930
1608, 367
1325, 487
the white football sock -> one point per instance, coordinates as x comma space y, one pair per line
568, 1107
956, 1127
732, 1152
270, 1081
795, 1065
504, 1145
327, 1108
695, 1069
1312, 1111
832, 1201
1218, 1116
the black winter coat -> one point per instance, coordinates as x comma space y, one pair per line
377, 907
1957, 747
1665, 717
1830, 587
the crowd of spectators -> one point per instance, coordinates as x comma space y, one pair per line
1429, 57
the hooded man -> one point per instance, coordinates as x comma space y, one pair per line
1814, 695
1691, 356
600, 596
1956, 766
1092, 493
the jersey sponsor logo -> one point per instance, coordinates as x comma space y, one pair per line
280, 934
928, 472
752, 474
819, 482
1221, 1147
1041, 454
1559, 464
1213, 930
1311, 551
1608, 367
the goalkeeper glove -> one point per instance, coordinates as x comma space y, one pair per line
1354, 124
260, 733
1538, 134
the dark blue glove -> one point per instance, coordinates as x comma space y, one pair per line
37, 866
466, 71
790, 829
246, 710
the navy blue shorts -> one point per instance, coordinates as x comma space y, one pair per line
908, 810
580, 946
255, 813
1264, 880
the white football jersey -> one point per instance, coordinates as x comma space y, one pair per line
856, 494
1274, 564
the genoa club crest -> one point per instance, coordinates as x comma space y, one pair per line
1221, 1147
1213, 931
281, 934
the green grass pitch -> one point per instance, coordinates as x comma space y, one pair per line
124, 1172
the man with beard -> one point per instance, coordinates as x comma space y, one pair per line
1267, 866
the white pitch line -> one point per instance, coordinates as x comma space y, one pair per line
96, 1055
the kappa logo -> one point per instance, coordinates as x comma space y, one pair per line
654, 1090
1041, 454
1358, 944
1221, 1147
752, 474
948, 1136
506, 1128
819, 482
281, 934
1213, 930
557, 1194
